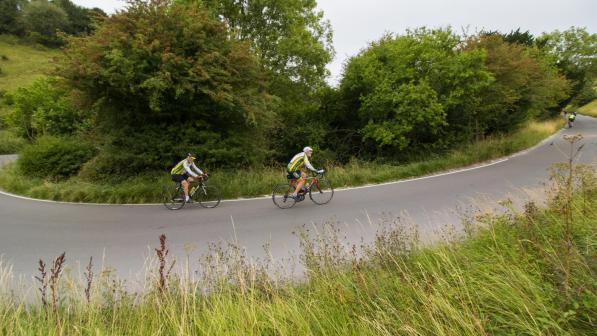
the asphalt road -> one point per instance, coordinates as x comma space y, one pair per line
122, 235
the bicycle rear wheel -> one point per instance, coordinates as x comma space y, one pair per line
173, 197
322, 192
282, 196
208, 196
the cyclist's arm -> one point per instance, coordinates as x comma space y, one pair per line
187, 168
196, 168
309, 165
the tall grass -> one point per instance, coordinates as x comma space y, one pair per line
516, 273
589, 109
254, 181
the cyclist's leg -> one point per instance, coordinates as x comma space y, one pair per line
300, 184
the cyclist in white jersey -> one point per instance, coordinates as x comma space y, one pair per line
186, 172
296, 171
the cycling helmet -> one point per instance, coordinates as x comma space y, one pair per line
307, 149
192, 154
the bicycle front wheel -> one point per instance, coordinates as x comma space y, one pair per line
208, 196
321, 192
173, 197
282, 196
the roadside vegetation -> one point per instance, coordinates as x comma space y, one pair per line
529, 272
133, 92
590, 109
255, 181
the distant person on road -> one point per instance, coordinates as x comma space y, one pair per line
186, 172
296, 168
571, 117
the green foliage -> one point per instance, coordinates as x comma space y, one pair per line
80, 19
524, 85
294, 43
574, 52
10, 16
54, 157
10, 143
43, 20
407, 90
169, 64
290, 36
44, 108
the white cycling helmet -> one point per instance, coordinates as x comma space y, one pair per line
307, 149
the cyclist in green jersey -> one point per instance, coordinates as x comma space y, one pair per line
296, 171
186, 172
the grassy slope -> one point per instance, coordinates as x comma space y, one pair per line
590, 109
255, 182
515, 274
25, 63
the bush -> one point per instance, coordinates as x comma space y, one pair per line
43, 20
54, 157
10, 143
44, 108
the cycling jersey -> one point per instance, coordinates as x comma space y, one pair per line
184, 166
571, 117
298, 161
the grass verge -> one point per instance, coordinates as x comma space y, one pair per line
590, 109
519, 273
255, 182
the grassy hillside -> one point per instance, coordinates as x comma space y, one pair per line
22, 63
528, 273
589, 109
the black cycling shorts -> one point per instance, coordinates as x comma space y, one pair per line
294, 175
180, 177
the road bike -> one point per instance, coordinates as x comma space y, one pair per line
205, 194
318, 187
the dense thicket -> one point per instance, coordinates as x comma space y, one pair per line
524, 85
162, 78
294, 43
430, 90
574, 53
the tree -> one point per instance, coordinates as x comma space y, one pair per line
524, 85
166, 77
43, 20
10, 16
290, 36
43, 108
417, 90
574, 52
294, 44
517, 36
80, 18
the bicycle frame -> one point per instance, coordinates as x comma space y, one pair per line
314, 181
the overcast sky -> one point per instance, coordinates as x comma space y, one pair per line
358, 22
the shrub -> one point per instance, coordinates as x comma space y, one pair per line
44, 108
10, 143
43, 20
54, 157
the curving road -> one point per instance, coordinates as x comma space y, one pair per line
121, 234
